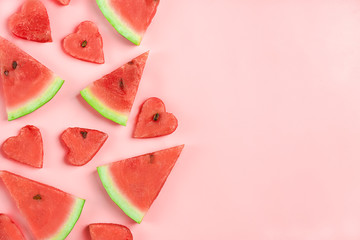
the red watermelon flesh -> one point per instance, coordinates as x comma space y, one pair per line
86, 43
109, 231
32, 22
82, 144
9, 230
113, 95
26, 148
27, 84
153, 120
63, 2
134, 183
131, 18
49, 212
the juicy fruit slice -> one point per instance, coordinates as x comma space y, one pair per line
113, 95
32, 22
50, 212
26, 148
108, 231
83, 144
153, 120
63, 2
9, 230
134, 183
130, 18
27, 84
86, 43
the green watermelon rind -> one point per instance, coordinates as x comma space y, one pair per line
102, 108
118, 23
34, 104
71, 221
116, 195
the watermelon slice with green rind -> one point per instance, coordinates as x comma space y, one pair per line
113, 95
130, 18
49, 212
134, 183
27, 84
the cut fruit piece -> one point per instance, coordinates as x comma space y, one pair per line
134, 183
153, 120
32, 22
130, 18
27, 84
113, 95
63, 2
50, 212
26, 148
85, 44
9, 230
108, 231
82, 144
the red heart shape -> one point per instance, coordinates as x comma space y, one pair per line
85, 44
32, 22
153, 120
27, 147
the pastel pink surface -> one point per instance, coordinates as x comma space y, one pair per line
266, 94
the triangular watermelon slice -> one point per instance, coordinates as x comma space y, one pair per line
50, 212
9, 230
134, 183
113, 95
107, 231
27, 83
130, 18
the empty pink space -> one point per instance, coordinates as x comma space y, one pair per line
266, 94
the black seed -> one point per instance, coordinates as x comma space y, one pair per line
83, 134
152, 158
14, 64
121, 83
37, 197
131, 62
84, 43
156, 117
6, 72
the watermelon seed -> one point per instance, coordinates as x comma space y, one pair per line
6, 72
37, 197
14, 64
152, 158
131, 62
84, 43
121, 83
156, 116
83, 134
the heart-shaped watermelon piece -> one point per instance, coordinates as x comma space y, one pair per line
86, 43
27, 147
106, 231
153, 120
9, 230
82, 144
32, 22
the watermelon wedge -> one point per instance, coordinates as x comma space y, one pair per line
63, 2
32, 22
113, 95
27, 84
25, 148
82, 144
108, 231
134, 183
9, 230
50, 212
153, 120
130, 18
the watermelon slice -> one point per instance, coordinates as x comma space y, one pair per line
113, 95
134, 183
83, 144
153, 120
26, 148
108, 231
63, 2
50, 212
27, 83
85, 44
9, 230
130, 18
32, 22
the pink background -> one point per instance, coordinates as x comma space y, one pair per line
267, 98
